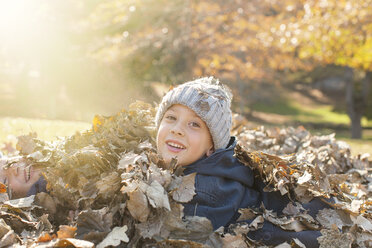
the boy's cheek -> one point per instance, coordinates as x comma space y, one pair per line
160, 141
160, 149
18, 188
158, 138
2, 175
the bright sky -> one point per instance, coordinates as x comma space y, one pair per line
21, 25
14, 17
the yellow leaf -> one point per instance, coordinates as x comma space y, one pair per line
97, 121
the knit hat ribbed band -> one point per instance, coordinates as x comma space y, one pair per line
210, 100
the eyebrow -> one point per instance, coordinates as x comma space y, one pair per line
170, 110
193, 113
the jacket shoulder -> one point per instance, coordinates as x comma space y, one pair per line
214, 191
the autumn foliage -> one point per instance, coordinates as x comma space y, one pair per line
108, 187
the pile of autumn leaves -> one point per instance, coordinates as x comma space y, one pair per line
108, 187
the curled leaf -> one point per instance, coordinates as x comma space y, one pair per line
186, 190
138, 205
115, 237
66, 231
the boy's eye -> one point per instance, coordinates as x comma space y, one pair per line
170, 117
195, 124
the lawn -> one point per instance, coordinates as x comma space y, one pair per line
358, 146
295, 111
310, 114
48, 130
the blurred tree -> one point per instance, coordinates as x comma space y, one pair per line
246, 43
332, 32
173, 41
149, 39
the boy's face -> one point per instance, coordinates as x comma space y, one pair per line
183, 135
19, 178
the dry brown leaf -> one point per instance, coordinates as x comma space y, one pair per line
284, 245
234, 241
193, 228
45, 237
46, 201
329, 217
363, 239
297, 223
3, 188
157, 196
115, 237
9, 238
4, 197
246, 214
25, 202
66, 231
26, 143
296, 243
186, 190
4, 228
160, 175
138, 205
257, 223
304, 178
151, 227
129, 186
109, 185
332, 238
93, 225
291, 209
171, 243
70, 242
355, 206
364, 223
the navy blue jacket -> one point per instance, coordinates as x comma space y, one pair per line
39, 186
223, 185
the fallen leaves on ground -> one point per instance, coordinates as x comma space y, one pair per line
107, 187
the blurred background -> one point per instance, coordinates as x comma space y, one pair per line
288, 62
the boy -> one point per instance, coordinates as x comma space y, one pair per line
194, 123
20, 178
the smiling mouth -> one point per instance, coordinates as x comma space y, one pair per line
27, 172
174, 145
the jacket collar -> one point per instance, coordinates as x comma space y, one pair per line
222, 163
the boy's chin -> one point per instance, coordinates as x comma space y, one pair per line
172, 162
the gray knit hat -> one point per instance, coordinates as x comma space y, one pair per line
210, 100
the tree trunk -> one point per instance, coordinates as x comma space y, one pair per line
356, 100
356, 125
354, 115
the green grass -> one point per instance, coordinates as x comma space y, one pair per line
359, 146
305, 114
296, 112
48, 130
279, 107
324, 114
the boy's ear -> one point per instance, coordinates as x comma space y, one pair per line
210, 151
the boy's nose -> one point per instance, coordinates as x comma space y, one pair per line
177, 130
